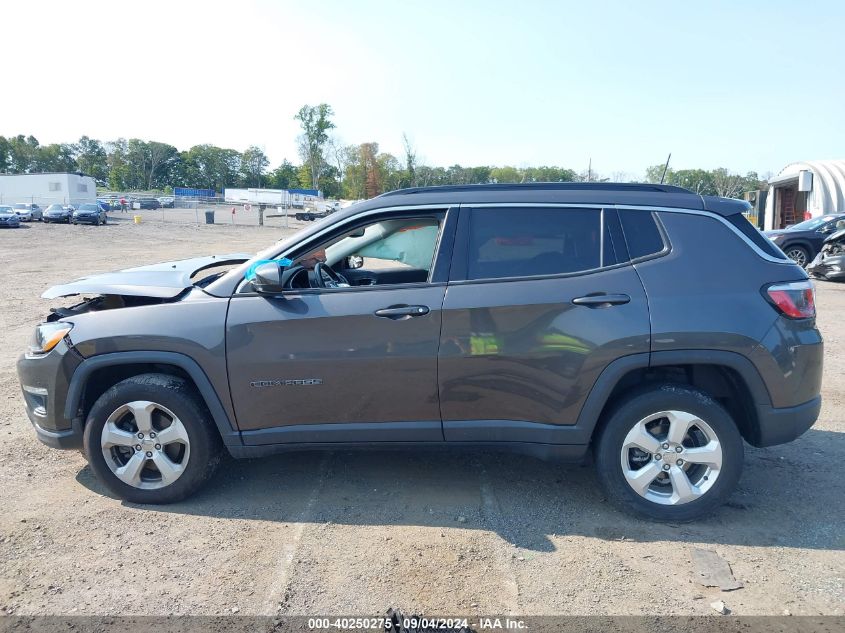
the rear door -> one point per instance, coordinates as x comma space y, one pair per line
540, 300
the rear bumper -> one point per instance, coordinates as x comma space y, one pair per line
779, 426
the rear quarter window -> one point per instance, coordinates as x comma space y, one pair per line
641, 233
761, 241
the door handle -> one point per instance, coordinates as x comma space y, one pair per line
399, 312
601, 300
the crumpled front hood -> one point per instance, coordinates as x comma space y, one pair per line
162, 281
836, 236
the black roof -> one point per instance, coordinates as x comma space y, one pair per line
546, 186
639, 194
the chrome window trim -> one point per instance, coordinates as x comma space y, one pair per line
708, 214
563, 205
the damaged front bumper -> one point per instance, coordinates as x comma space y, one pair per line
830, 267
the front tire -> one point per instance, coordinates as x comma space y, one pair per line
669, 453
149, 439
798, 254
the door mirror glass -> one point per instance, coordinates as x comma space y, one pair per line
268, 278
828, 228
354, 261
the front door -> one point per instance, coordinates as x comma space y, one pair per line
354, 363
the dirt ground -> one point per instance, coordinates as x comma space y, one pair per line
356, 533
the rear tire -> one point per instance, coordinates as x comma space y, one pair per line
688, 480
150, 439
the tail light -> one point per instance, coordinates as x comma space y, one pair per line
796, 299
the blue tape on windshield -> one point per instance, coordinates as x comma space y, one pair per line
284, 262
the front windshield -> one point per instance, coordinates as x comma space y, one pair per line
89, 207
55, 207
4, 209
20, 206
812, 224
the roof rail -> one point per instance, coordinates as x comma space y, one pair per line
546, 186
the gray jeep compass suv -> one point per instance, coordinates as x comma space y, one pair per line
559, 320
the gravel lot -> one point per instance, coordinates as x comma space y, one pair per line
356, 533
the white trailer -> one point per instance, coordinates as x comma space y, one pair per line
47, 189
271, 197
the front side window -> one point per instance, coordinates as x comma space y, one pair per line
523, 242
390, 244
388, 251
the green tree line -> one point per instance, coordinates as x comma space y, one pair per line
339, 170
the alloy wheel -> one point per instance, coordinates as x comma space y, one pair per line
145, 445
798, 256
671, 457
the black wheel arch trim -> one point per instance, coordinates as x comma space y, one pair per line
600, 393
230, 435
607, 381
733, 360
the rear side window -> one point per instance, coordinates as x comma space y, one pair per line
528, 241
641, 233
761, 241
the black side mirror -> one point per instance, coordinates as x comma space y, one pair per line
354, 261
268, 279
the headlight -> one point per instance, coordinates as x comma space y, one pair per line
48, 335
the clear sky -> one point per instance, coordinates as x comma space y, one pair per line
747, 85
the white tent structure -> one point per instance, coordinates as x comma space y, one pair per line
805, 190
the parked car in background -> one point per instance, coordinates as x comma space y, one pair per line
106, 204
147, 203
8, 217
801, 242
167, 202
28, 212
57, 213
829, 264
89, 213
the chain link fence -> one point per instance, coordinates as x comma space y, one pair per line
184, 210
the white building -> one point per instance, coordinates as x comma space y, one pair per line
805, 190
47, 189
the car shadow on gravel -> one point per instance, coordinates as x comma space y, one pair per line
789, 496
